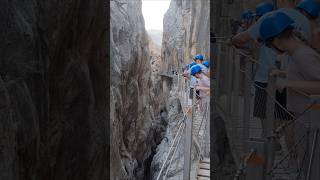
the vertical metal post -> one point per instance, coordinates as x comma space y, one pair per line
188, 141
235, 95
269, 126
314, 143
313, 170
218, 70
179, 86
247, 104
275, 4
255, 168
232, 130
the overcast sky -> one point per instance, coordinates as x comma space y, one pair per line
153, 12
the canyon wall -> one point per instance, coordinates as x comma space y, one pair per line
185, 32
53, 83
136, 124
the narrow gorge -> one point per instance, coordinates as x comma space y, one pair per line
145, 108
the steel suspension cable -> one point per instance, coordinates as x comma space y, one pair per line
171, 159
169, 152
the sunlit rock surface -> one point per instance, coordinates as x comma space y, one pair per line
136, 124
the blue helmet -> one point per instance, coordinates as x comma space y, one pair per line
274, 24
206, 63
310, 6
247, 15
195, 69
263, 8
199, 57
192, 64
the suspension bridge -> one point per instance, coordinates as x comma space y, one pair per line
193, 129
252, 143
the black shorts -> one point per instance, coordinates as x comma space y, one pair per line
198, 94
260, 100
191, 93
260, 103
282, 112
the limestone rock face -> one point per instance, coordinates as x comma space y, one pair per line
53, 100
186, 32
136, 122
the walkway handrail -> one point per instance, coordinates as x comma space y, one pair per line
174, 152
228, 70
169, 152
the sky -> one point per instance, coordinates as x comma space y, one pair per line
153, 12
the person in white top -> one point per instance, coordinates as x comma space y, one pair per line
203, 85
199, 60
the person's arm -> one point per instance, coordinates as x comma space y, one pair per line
248, 35
309, 87
241, 39
203, 88
277, 72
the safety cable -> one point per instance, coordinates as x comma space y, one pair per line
295, 117
174, 152
169, 152
203, 116
243, 165
288, 154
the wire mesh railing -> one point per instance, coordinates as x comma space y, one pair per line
264, 116
190, 103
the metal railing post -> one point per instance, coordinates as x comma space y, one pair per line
269, 127
247, 105
314, 161
207, 129
188, 140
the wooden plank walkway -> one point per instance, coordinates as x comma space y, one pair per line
255, 130
203, 172
203, 168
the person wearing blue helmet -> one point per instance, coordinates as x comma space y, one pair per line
199, 60
203, 85
187, 74
207, 63
311, 9
277, 33
303, 24
203, 80
301, 75
198, 57
246, 20
263, 8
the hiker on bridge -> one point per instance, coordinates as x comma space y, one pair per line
207, 65
301, 25
303, 15
246, 20
199, 60
203, 85
302, 72
192, 80
266, 62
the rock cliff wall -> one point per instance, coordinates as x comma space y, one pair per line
53, 100
185, 32
136, 124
